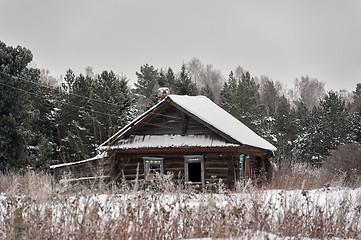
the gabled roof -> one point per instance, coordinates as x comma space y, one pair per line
203, 109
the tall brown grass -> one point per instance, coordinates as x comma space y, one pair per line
33, 206
304, 176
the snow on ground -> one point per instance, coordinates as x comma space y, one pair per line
273, 205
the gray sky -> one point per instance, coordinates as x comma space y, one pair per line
283, 39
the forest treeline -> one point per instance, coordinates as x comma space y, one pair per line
47, 121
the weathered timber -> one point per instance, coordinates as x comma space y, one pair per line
174, 138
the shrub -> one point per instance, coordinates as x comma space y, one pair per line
345, 162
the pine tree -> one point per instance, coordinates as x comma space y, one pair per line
167, 79
171, 79
310, 141
357, 98
335, 119
327, 127
93, 108
240, 98
115, 105
75, 120
228, 95
355, 126
355, 118
283, 131
146, 87
21, 111
207, 91
184, 84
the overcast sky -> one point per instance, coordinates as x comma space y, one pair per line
282, 39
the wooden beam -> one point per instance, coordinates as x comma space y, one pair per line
184, 150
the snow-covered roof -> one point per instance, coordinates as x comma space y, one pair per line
208, 112
171, 141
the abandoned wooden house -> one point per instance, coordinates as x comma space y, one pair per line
190, 136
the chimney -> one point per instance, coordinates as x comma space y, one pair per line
162, 93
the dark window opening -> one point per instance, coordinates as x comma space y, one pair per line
194, 169
195, 172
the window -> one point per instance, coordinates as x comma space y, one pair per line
152, 165
194, 169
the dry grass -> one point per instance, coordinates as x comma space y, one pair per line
302, 176
341, 169
32, 206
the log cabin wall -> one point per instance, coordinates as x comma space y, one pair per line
217, 165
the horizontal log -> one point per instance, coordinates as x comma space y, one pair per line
174, 165
181, 151
216, 164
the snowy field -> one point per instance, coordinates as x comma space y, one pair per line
327, 213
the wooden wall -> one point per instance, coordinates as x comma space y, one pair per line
170, 120
216, 165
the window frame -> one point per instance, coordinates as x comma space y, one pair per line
193, 159
149, 161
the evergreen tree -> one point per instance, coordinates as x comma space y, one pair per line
250, 108
355, 126
283, 131
228, 96
356, 99
309, 143
355, 118
21, 140
162, 79
75, 119
327, 127
241, 99
146, 87
115, 106
171, 79
207, 91
184, 84
93, 108
335, 118
167, 79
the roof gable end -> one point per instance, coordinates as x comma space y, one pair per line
199, 108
